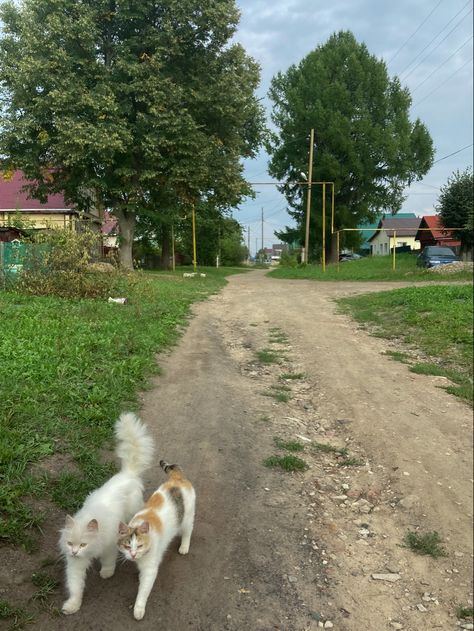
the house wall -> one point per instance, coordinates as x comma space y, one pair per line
382, 243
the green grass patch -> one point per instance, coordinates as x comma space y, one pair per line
67, 370
326, 448
287, 463
464, 612
278, 395
435, 320
292, 445
46, 587
291, 375
267, 356
368, 269
428, 543
350, 462
398, 356
17, 616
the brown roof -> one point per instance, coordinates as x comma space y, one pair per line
403, 226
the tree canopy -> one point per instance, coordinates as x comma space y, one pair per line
364, 140
136, 105
456, 206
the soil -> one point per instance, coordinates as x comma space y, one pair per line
278, 551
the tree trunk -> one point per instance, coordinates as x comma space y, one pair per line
333, 253
126, 221
165, 247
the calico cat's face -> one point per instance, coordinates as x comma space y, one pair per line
133, 543
76, 540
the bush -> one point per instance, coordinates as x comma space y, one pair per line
61, 263
288, 259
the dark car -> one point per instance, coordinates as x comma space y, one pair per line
434, 255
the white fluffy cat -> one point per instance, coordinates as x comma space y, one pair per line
92, 532
169, 512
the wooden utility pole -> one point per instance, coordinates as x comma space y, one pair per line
263, 251
248, 242
308, 199
194, 239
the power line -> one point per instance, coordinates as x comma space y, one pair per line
441, 84
437, 35
442, 64
453, 154
415, 31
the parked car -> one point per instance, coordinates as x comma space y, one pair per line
434, 255
349, 256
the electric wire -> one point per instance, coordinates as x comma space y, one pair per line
415, 31
442, 83
454, 153
432, 40
442, 64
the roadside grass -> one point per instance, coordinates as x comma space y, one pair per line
17, 616
67, 370
398, 356
464, 612
291, 375
350, 462
368, 269
46, 587
277, 336
291, 445
267, 356
326, 448
278, 395
428, 543
436, 320
287, 463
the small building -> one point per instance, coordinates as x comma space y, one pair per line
110, 232
15, 204
395, 230
432, 232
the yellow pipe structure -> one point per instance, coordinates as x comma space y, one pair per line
332, 207
324, 227
394, 249
173, 258
194, 238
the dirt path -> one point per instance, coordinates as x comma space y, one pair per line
274, 551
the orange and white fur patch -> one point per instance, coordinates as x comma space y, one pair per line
168, 513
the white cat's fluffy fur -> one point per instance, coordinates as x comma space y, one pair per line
92, 532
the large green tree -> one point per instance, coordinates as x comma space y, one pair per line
456, 206
127, 103
364, 140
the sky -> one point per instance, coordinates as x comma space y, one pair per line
428, 44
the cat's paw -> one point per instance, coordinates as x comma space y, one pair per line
138, 612
71, 606
184, 548
107, 572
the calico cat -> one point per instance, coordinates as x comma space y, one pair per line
169, 512
92, 532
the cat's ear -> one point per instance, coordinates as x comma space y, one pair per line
93, 525
143, 528
69, 521
123, 528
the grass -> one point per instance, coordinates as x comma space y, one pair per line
435, 320
291, 445
287, 463
17, 616
464, 612
67, 369
368, 269
267, 356
46, 587
428, 543
350, 462
292, 375
398, 356
326, 448
278, 395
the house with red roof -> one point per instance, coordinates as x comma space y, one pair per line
54, 212
432, 232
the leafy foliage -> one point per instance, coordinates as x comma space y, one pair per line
138, 107
365, 141
456, 206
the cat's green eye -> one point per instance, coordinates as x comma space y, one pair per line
83, 545
69, 543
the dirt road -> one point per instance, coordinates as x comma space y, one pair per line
297, 551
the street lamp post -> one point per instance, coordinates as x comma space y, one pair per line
308, 199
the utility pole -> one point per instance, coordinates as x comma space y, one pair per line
256, 248
308, 199
248, 242
263, 251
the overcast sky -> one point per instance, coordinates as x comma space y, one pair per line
427, 43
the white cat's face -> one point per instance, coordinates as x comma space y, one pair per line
77, 540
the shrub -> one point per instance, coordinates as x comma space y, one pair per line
61, 263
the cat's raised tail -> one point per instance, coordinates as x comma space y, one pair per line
135, 445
